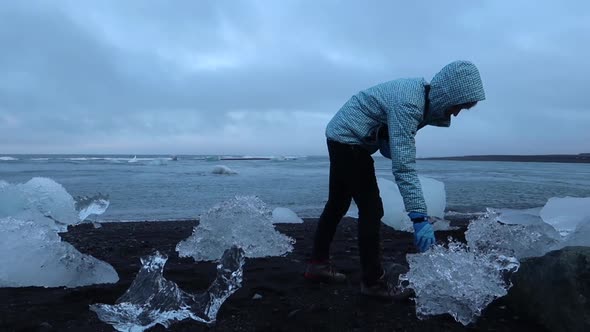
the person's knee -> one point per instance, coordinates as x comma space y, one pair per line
372, 211
337, 207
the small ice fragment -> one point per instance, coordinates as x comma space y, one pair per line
221, 169
285, 215
442, 225
256, 297
152, 299
94, 205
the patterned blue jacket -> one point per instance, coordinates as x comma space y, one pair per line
401, 106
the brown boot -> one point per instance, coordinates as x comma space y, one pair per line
323, 271
381, 289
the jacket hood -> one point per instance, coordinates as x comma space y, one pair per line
457, 83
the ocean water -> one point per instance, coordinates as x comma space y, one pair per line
158, 188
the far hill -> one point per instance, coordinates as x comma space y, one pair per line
547, 158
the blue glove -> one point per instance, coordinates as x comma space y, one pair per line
423, 232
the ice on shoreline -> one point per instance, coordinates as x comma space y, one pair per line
285, 215
463, 279
33, 254
244, 221
457, 280
565, 214
93, 205
152, 299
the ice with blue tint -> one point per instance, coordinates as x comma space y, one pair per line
457, 280
33, 254
462, 279
224, 170
152, 299
395, 214
243, 221
580, 236
41, 200
522, 235
565, 214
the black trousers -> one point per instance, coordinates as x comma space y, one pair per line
352, 176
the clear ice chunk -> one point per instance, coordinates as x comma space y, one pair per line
395, 214
494, 231
93, 205
244, 221
152, 299
34, 255
457, 280
565, 214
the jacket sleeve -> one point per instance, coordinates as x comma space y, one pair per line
403, 123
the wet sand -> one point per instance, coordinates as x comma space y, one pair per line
288, 303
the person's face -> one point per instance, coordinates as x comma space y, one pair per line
455, 110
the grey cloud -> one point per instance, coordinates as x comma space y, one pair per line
76, 70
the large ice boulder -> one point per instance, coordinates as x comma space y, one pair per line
33, 254
395, 214
566, 213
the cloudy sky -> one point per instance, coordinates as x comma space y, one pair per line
265, 77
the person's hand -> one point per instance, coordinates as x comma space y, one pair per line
423, 231
423, 235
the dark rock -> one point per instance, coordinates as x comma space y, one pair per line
293, 313
555, 289
45, 327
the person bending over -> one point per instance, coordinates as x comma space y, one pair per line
385, 117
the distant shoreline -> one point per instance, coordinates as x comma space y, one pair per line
558, 158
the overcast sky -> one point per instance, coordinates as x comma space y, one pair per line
265, 77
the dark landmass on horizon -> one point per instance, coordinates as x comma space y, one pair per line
548, 158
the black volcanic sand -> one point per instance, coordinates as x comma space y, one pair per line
288, 303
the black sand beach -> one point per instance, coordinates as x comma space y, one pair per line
288, 303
